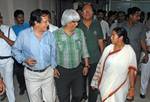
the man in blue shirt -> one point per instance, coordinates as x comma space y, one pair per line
19, 68
20, 24
35, 47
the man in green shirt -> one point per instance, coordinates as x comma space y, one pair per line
94, 38
71, 48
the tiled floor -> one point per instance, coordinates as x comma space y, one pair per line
24, 98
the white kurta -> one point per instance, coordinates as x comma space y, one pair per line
111, 76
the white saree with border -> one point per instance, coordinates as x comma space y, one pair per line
111, 76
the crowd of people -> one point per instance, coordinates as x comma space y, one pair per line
91, 54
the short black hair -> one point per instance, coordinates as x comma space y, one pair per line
122, 32
47, 12
100, 10
133, 10
18, 12
90, 4
36, 15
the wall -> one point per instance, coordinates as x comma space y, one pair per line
7, 8
124, 5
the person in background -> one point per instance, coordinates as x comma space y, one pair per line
136, 32
121, 17
147, 22
35, 47
104, 24
51, 27
71, 49
145, 69
19, 26
20, 23
116, 71
142, 17
7, 38
94, 38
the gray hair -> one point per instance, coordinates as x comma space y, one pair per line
68, 16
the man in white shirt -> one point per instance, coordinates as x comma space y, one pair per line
51, 27
7, 38
104, 24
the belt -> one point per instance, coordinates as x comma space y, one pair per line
42, 70
4, 57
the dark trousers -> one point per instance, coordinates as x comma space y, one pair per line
92, 97
19, 72
69, 83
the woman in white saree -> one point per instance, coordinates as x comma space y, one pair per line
116, 71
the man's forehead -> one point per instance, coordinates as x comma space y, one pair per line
87, 7
44, 17
138, 12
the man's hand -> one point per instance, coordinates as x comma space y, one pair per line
31, 62
1, 34
146, 58
2, 87
56, 73
85, 71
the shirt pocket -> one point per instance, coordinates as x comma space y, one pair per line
61, 45
78, 44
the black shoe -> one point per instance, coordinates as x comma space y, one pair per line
22, 91
142, 96
85, 97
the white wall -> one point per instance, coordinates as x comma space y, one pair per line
5, 11
7, 8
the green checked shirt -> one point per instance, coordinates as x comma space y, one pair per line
70, 49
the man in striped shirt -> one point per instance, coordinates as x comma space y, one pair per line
71, 48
